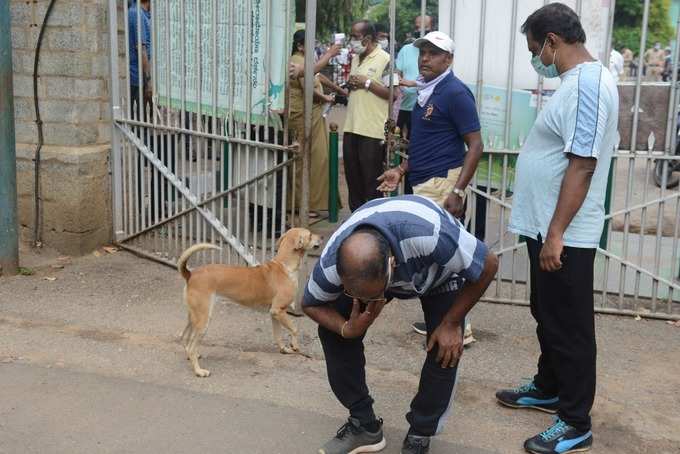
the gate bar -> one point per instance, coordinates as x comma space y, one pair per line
310, 35
233, 241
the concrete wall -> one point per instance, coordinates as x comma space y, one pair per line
73, 90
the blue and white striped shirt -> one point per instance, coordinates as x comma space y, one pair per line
433, 251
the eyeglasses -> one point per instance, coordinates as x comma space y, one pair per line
380, 299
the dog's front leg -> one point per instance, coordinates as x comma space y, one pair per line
282, 319
276, 329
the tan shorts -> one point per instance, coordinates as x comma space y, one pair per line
438, 189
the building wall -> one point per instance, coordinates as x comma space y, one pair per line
73, 89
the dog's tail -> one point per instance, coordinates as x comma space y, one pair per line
184, 258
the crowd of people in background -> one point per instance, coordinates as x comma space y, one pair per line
656, 67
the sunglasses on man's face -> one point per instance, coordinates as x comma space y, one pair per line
379, 299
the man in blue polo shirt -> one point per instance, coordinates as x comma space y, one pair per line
444, 123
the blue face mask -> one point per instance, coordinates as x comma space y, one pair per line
549, 71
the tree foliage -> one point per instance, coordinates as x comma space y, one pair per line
406, 12
337, 15
628, 23
333, 16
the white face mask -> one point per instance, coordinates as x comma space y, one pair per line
384, 44
357, 47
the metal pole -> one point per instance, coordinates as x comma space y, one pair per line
116, 114
610, 32
423, 4
636, 108
390, 102
673, 98
310, 33
333, 174
9, 238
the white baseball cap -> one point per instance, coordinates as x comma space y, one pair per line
439, 39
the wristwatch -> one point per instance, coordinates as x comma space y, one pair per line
367, 84
459, 192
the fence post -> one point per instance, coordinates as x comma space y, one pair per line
333, 195
607, 204
9, 239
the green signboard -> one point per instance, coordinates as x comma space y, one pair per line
251, 50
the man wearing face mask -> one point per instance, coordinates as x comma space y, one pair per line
364, 130
558, 207
382, 37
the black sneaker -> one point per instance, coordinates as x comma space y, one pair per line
528, 396
415, 444
352, 438
560, 438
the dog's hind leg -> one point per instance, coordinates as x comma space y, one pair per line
199, 328
184, 336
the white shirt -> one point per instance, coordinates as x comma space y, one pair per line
616, 65
581, 118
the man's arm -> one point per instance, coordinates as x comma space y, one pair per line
454, 203
573, 192
326, 57
326, 316
358, 82
326, 82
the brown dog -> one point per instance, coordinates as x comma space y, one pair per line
271, 285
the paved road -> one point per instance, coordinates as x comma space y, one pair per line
91, 356
56, 410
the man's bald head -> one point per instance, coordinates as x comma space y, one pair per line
363, 256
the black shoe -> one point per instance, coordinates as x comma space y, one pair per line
528, 396
560, 438
352, 438
415, 444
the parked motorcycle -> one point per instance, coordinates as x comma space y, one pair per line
672, 168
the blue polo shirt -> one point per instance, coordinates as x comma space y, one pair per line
145, 26
437, 130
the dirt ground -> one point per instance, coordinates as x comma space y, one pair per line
89, 362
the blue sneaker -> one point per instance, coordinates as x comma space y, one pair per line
560, 438
528, 396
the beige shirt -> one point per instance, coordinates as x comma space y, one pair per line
654, 57
367, 112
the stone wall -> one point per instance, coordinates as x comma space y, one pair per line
73, 90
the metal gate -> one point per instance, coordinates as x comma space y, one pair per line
638, 262
200, 150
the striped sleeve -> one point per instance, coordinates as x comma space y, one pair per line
323, 286
465, 254
584, 118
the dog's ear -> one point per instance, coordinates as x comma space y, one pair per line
301, 240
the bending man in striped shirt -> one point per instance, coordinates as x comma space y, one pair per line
403, 247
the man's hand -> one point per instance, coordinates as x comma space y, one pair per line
448, 337
551, 252
454, 205
358, 321
389, 180
357, 82
407, 83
